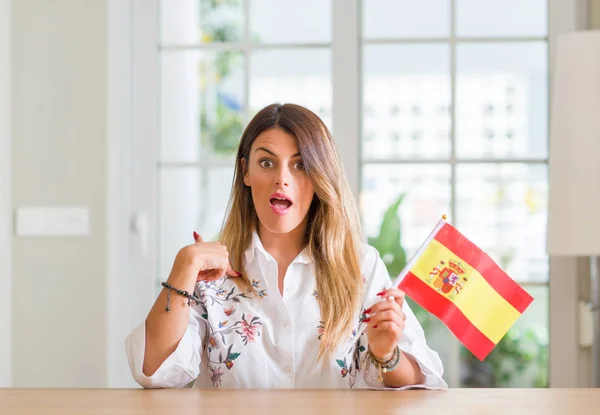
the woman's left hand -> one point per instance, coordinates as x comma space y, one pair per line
385, 323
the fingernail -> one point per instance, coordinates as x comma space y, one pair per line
368, 310
238, 274
196, 236
381, 293
375, 326
366, 320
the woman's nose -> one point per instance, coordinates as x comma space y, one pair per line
282, 178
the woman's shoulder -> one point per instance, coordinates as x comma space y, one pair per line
369, 256
372, 266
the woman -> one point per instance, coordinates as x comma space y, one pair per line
283, 300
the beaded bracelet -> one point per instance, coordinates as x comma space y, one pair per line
387, 366
191, 297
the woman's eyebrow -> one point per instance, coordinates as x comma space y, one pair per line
266, 150
273, 154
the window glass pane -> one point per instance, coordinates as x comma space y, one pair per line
427, 198
190, 198
501, 18
201, 21
502, 100
202, 104
406, 18
291, 21
502, 208
299, 76
520, 360
406, 101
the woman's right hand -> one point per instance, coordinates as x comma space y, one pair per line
202, 261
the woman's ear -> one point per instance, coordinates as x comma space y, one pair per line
244, 166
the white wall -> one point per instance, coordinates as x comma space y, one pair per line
585, 371
59, 157
5, 199
570, 364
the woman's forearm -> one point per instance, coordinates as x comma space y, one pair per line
165, 330
407, 373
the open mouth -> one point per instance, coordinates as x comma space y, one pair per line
280, 203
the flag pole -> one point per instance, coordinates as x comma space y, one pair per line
417, 254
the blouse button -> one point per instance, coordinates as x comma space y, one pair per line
288, 369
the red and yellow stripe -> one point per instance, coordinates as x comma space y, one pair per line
488, 304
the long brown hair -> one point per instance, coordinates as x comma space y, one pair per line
333, 231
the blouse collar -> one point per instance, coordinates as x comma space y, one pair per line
257, 246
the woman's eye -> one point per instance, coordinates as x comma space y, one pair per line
300, 165
266, 164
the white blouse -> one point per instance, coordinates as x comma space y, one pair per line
233, 341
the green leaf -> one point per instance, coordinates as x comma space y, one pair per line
341, 363
362, 349
205, 316
389, 230
233, 356
388, 242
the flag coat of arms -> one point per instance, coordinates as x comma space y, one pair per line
460, 284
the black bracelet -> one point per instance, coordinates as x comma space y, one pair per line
191, 297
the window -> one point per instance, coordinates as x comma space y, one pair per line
455, 119
221, 62
453, 108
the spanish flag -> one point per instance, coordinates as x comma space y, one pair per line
461, 285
